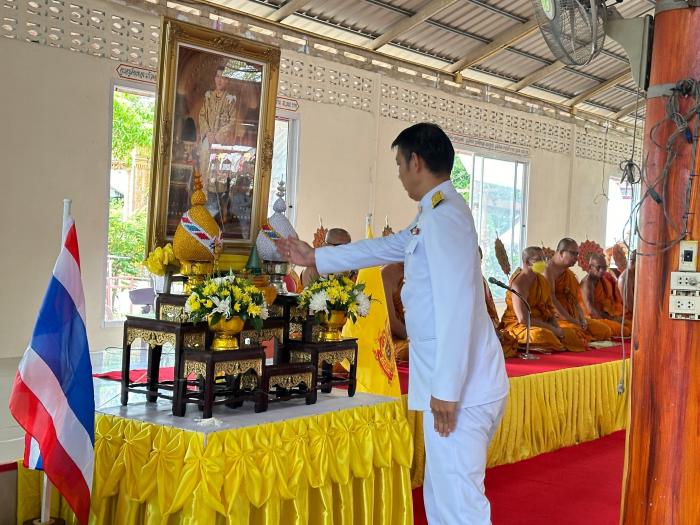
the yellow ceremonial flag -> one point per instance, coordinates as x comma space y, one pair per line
376, 357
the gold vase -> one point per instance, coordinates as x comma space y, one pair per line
226, 333
196, 273
262, 282
332, 325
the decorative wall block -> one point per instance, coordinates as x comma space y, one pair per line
109, 30
88, 26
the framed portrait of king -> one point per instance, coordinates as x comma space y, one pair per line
215, 115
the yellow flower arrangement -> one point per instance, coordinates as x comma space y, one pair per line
335, 293
162, 260
224, 298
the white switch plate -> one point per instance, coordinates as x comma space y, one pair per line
688, 257
684, 307
685, 283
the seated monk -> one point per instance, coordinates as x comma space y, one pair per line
545, 332
334, 237
601, 297
567, 293
508, 342
392, 277
625, 284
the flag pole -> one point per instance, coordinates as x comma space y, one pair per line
66, 214
46, 492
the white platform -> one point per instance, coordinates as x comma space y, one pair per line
225, 418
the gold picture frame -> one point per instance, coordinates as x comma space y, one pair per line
216, 113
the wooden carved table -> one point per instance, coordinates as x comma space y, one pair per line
155, 333
323, 355
221, 374
282, 382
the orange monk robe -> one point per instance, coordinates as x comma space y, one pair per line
541, 306
508, 342
568, 293
400, 345
607, 299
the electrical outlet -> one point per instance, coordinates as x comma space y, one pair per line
685, 283
684, 307
688, 258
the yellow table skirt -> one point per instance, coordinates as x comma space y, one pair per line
345, 467
546, 412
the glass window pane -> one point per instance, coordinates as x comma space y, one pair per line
461, 177
496, 190
280, 161
497, 216
619, 209
129, 288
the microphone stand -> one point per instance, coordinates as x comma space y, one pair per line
527, 355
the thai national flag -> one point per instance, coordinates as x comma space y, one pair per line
52, 396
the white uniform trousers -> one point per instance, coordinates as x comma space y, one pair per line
453, 488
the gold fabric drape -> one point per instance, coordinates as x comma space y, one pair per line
545, 412
345, 467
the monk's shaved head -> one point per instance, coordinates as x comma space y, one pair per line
531, 252
567, 244
597, 259
336, 236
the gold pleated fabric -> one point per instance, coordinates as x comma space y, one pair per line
546, 412
345, 467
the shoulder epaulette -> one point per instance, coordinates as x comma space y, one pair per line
438, 197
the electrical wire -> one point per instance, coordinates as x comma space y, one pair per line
684, 129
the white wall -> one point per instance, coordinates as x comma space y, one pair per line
54, 143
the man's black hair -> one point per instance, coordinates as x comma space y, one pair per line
430, 143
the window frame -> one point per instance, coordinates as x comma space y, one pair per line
136, 88
496, 155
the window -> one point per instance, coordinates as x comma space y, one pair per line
618, 214
495, 189
284, 164
128, 287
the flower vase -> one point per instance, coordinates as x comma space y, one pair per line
332, 325
226, 333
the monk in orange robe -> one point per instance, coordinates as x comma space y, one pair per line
392, 277
567, 293
625, 284
602, 299
508, 343
545, 331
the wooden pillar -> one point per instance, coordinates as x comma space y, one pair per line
662, 477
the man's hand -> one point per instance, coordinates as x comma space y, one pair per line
296, 251
444, 415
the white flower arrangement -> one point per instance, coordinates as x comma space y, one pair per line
335, 293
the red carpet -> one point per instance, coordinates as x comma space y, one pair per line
516, 367
579, 485
137, 374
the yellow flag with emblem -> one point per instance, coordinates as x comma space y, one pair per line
376, 356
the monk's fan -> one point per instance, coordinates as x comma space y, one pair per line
502, 256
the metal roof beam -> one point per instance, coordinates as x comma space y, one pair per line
634, 107
537, 75
599, 88
433, 7
291, 7
499, 43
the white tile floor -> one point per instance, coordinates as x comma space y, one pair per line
107, 400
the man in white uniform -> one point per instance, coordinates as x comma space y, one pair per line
458, 376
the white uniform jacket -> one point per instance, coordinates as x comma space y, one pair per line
454, 351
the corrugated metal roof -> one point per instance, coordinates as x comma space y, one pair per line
460, 30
